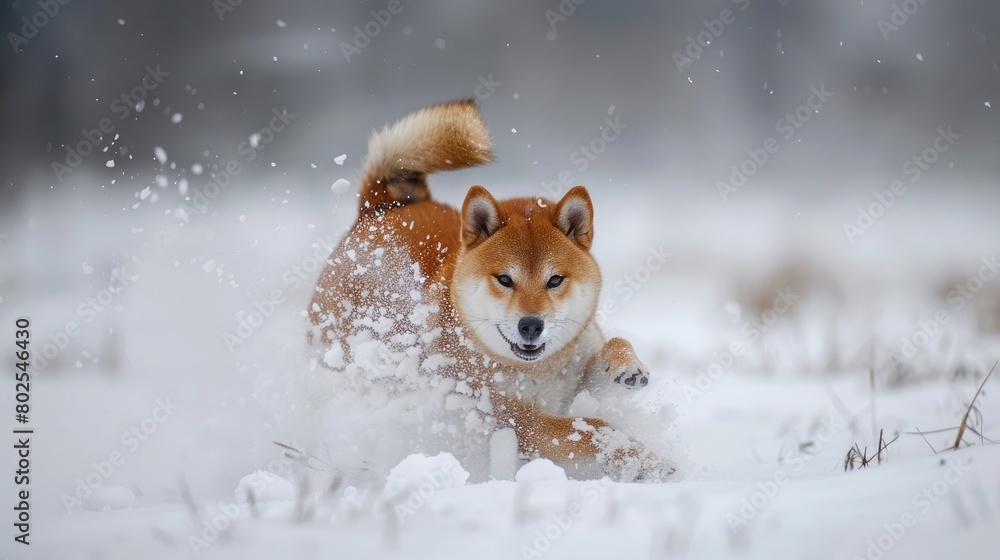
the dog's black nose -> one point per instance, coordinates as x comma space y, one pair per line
530, 328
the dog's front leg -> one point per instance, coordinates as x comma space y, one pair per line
617, 362
568, 439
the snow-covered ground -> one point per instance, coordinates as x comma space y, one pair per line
156, 413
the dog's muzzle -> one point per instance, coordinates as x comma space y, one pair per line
523, 350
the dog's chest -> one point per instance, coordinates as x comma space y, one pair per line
551, 391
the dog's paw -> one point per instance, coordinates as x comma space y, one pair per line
633, 376
618, 360
626, 460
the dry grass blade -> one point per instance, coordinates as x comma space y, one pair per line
335, 483
188, 499
303, 511
925, 432
965, 418
252, 503
982, 438
881, 446
925, 440
858, 459
286, 446
855, 458
300, 455
884, 446
871, 386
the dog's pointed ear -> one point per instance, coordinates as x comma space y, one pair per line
480, 217
574, 215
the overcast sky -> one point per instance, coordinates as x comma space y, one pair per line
695, 83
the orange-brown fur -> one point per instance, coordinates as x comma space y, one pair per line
462, 252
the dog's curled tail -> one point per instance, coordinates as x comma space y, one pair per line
441, 137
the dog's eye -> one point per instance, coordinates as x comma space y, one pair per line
505, 281
555, 281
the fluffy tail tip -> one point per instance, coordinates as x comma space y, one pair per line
442, 137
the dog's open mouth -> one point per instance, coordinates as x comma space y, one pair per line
527, 352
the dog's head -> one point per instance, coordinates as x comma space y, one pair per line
525, 284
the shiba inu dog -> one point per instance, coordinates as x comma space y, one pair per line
512, 290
